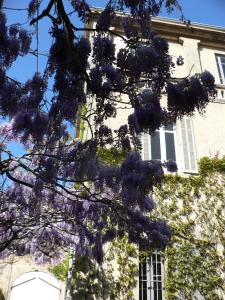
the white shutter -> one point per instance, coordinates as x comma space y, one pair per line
188, 143
146, 147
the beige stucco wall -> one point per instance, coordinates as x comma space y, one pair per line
208, 60
209, 129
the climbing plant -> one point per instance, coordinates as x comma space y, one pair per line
61, 270
194, 207
115, 279
56, 189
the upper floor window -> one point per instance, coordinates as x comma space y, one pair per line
188, 144
220, 60
151, 277
168, 144
160, 145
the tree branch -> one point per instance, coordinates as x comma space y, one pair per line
17, 180
44, 13
65, 18
12, 8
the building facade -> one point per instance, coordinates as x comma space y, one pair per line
188, 140
202, 48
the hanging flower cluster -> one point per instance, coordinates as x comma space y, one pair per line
60, 193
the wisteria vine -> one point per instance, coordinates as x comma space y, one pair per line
60, 192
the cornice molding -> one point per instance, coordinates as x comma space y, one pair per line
173, 30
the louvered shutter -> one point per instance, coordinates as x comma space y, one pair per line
146, 146
188, 143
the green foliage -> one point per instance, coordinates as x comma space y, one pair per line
61, 270
89, 280
194, 207
115, 279
208, 165
111, 156
122, 260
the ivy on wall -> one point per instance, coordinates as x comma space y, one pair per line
194, 207
61, 270
115, 279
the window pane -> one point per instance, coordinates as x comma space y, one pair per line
154, 269
140, 281
222, 58
170, 146
155, 146
159, 268
160, 291
140, 293
155, 291
144, 290
140, 271
223, 67
144, 270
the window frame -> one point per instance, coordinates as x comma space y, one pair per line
220, 68
162, 138
186, 126
152, 278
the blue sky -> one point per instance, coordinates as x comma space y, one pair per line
201, 11
205, 11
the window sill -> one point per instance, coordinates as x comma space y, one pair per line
191, 173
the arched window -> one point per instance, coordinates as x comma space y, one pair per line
36, 286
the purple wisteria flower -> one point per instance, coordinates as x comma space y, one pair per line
60, 192
171, 166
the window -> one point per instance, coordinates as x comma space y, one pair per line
151, 277
188, 143
161, 145
220, 60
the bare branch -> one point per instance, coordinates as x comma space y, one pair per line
13, 8
44, 13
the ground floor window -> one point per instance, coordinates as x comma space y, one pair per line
151, 277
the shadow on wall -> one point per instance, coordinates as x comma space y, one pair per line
2, 297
